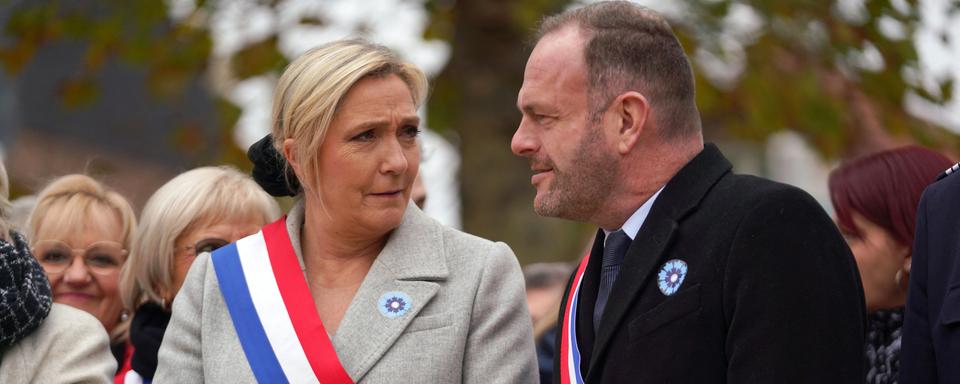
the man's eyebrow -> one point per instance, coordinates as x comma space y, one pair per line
529, 106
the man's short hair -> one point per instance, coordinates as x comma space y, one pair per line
632, 48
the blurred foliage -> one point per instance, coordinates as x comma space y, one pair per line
475, 97
135, 33
258, 58
807, 67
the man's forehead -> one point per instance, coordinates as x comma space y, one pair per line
555, 65
564, 45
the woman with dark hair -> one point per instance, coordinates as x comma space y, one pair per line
875, 198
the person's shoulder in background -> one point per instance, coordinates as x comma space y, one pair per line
70, 346
943, 193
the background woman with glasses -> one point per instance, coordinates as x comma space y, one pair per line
198, 211
80, 231
42, 342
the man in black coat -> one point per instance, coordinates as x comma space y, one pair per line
930, 347
697, 275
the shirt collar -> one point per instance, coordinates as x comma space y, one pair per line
632, 226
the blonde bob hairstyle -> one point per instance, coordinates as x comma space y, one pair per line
313, 85
68, 202
192, 199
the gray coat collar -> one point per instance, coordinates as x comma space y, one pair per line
414, 250
412, 262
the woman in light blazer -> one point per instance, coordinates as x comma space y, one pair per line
355, 284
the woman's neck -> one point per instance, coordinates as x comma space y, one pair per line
333, 258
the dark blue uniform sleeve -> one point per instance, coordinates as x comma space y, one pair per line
917, 361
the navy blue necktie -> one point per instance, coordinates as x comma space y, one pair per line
614, 249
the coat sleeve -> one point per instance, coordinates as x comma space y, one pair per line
79, 349
180, 358
917, 362
499, 346
792, 297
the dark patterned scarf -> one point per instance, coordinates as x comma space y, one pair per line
24, 291
883, 346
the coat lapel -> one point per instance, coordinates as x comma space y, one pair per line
680, 196
412, 262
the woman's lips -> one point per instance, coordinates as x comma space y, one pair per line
73, 297
390, 194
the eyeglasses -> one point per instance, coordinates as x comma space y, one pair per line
101, 258
205, 245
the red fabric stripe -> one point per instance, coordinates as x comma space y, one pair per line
299, 302
565, 335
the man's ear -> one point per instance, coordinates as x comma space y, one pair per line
290, 154
632, 111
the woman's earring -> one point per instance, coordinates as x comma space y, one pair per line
903, 278
124, 315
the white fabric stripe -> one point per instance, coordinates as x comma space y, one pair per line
571, 364
272, 312
132, 377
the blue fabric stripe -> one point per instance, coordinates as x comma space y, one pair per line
263, 362
573, 334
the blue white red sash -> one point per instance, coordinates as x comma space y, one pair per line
569, 352
273, 311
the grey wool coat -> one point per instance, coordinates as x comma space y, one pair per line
70, 346
468, 321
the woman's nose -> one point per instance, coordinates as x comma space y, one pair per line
77, 272
395, 158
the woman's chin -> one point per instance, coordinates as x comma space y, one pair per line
385, 220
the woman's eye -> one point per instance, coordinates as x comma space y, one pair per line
210, 245
55, 256
102, 260
364, 136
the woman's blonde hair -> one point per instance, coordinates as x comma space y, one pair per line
314, 84
72, 198
192, 199
69, 201
4, 204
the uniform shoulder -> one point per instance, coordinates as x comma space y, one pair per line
944, 191
949, 171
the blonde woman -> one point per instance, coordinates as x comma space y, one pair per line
81, 231
355, 284
198, 211
42, 342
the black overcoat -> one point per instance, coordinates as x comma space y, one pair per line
772, 293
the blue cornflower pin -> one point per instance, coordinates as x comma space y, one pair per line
394, 304
671, 275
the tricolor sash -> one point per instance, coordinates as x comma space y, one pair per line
569, 352
273, 311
